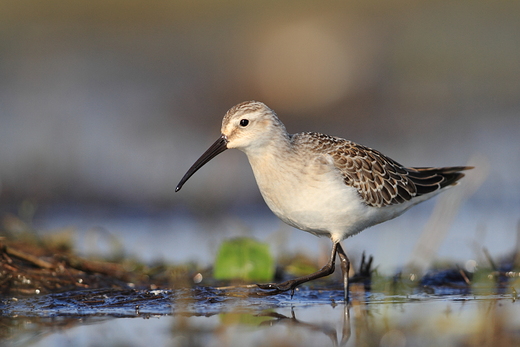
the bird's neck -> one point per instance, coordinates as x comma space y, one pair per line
267, 161
270, 148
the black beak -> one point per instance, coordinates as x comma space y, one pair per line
215, 149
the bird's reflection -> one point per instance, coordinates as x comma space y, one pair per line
327, 329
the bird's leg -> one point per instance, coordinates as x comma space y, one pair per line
345, 268
293, 283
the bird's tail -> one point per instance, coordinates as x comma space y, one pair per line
430, 179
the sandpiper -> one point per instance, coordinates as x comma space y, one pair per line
322, 184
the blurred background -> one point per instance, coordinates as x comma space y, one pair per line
104, 105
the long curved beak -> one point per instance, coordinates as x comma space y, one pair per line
215, 149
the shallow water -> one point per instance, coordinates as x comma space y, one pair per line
211, 317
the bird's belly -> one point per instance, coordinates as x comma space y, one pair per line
327, 208
315, 198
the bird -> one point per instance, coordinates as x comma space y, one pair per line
321, 184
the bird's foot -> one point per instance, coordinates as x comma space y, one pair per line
275, 288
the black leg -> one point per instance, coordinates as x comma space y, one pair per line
345, 268
324, 271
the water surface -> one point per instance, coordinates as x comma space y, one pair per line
211, 317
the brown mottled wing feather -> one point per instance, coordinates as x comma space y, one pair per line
380, 180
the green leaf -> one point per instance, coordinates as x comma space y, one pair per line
245, 259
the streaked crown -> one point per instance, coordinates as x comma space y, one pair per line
251, 124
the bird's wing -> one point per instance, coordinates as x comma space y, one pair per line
379, 180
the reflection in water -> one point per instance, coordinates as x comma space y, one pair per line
208, 317
318, 327
327, 329
409, 322
380, 321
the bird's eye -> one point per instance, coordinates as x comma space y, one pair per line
244, 122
